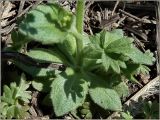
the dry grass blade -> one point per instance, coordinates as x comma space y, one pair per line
6, 12
130, 15
115, 7
140, 34
158, 37
106, 23
21, 7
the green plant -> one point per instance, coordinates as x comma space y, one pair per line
97, 65
150, 110
126, 115
15, 99
85, 111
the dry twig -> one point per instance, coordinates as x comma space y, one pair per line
130, 15
115, 7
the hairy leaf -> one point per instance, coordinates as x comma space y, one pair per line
90, 57
15, 99
113, 61
106, 98
140, 58
42, 83
8, 94
142, 69
41, 55
17, 111
110, 47
117, 83
69, 44
126, 115
121, 89
103, 95
15, 92
68, 92
69, 48
18, 40
3, 109
122, 46
22, 92
107, 38
113, 50
47, 24
151, 109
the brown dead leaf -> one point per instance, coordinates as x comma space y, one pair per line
7, 12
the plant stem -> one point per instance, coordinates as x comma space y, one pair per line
79, 26
80, 15
79, 43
